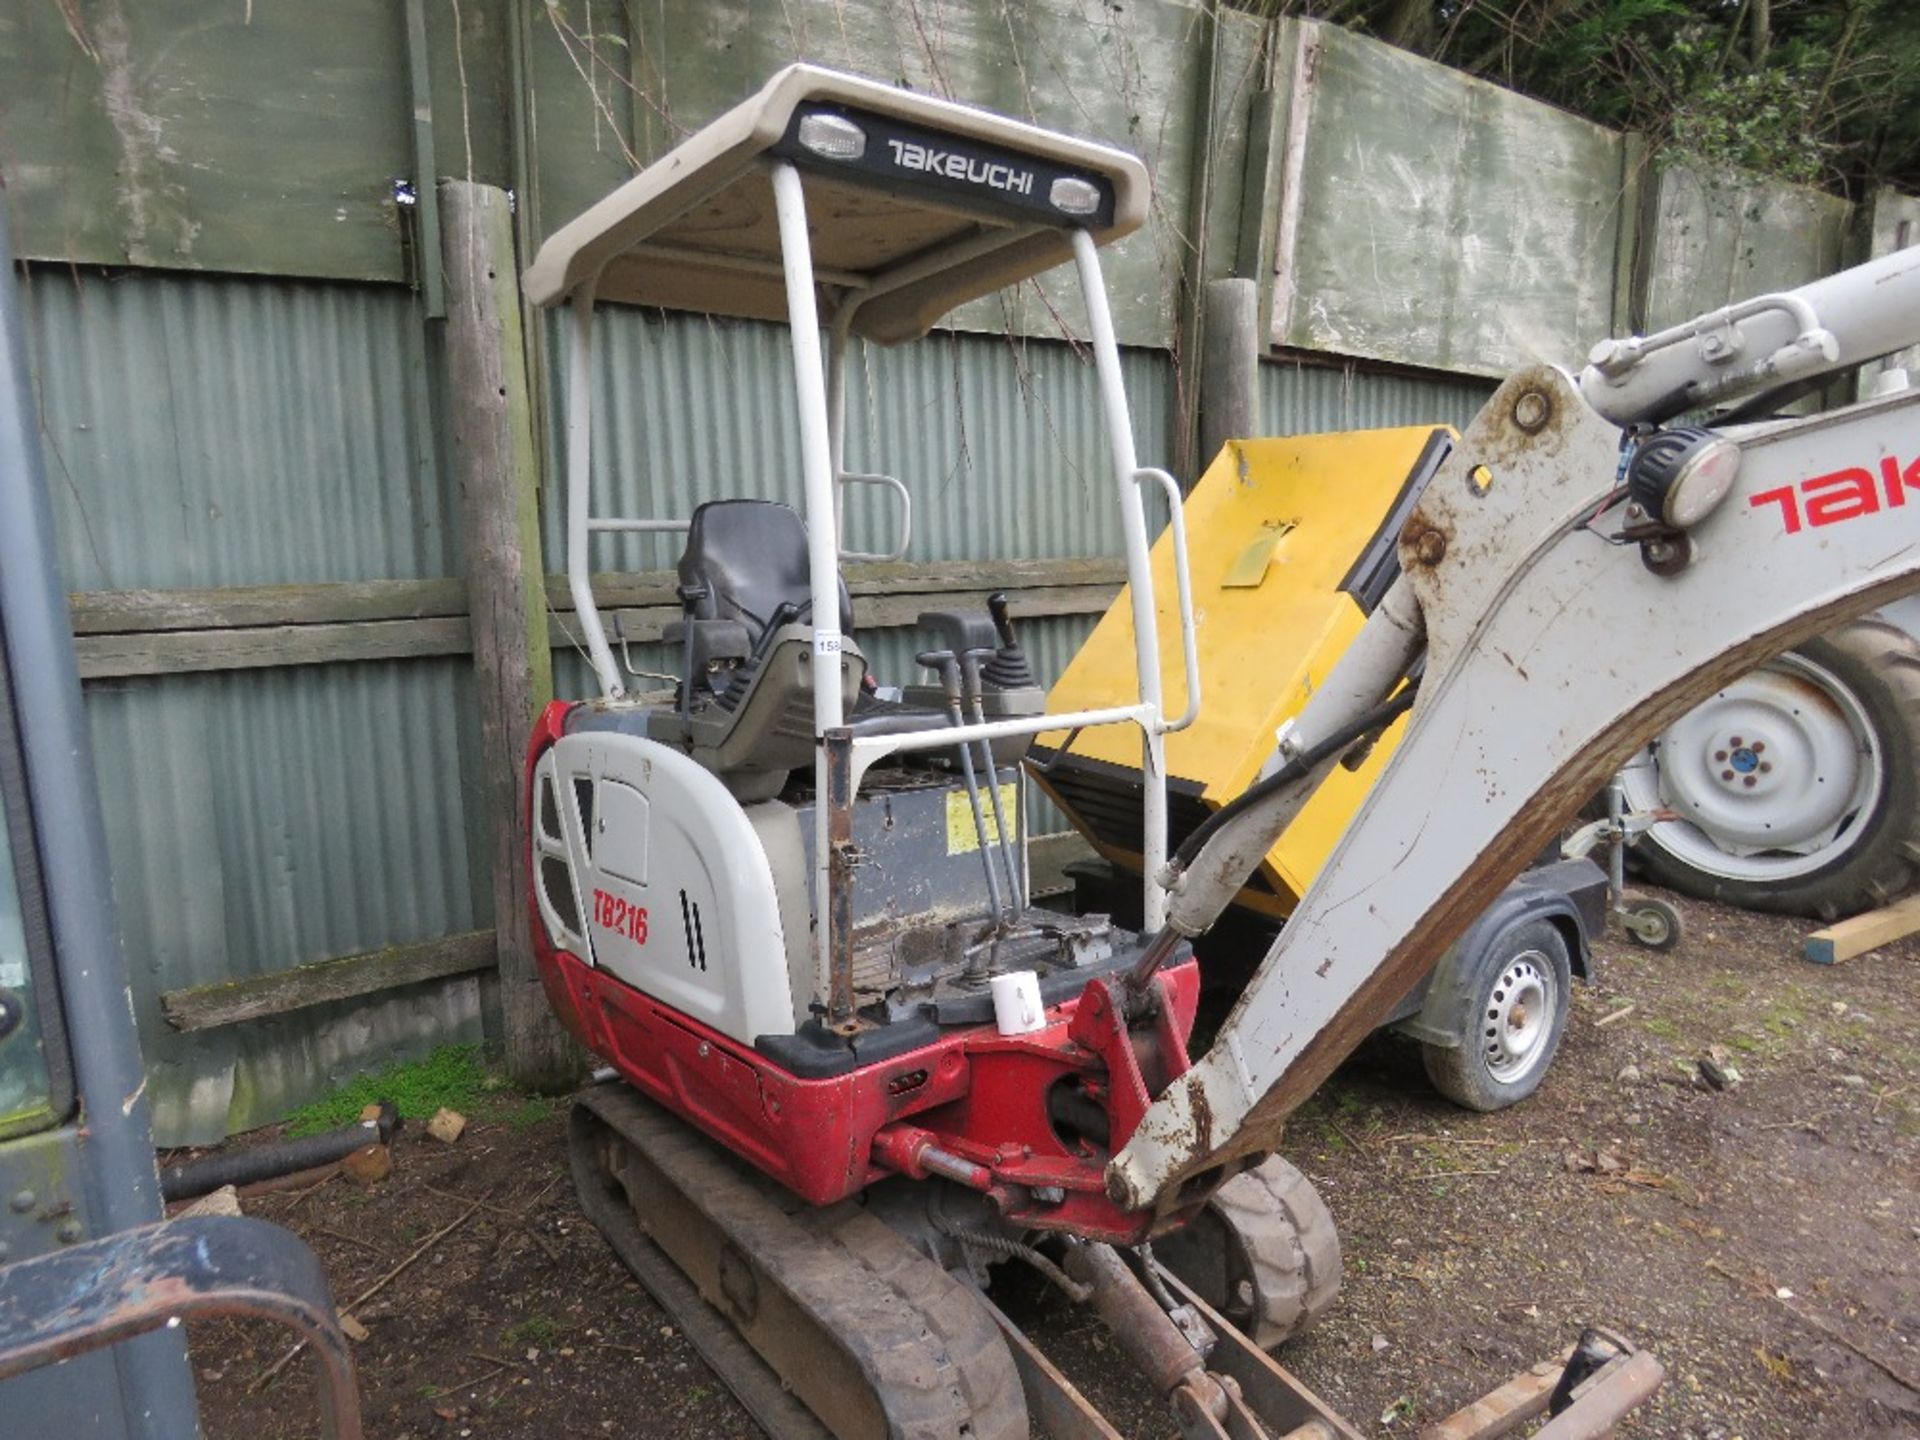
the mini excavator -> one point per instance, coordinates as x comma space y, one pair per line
853, 1068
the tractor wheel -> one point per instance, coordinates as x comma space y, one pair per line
1798, 786
1264, 1253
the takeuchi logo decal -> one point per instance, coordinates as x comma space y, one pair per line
1841, 495
992, 173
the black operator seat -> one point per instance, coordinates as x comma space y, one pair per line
746, 706
746, 562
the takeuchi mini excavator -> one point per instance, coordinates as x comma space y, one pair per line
786, 899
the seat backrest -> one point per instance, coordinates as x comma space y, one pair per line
743, 560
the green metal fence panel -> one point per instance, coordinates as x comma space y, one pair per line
1439, 220
1718, 236
1895, 225
1131, 75
208, 135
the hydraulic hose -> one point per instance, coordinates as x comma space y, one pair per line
1378, 718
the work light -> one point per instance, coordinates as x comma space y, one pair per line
832, 137
1679, 475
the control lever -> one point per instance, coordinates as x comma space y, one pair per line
1009, 670
943, 663
1002, 621
970, 662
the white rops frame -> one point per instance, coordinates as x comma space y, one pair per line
820, 401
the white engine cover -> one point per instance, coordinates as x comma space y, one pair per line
672, 885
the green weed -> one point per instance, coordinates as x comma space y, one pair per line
452, 1076
541, 1331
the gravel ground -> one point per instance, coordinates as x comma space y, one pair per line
1763, 1240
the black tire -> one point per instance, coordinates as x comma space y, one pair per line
1880, 664
1487, 998
1263, 1252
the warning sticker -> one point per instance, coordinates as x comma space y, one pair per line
961, 835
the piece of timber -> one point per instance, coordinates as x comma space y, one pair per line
1864, 932
489, 422
346, 977
168, 632
872, 1336
180, 652
119, 612
1525, 1397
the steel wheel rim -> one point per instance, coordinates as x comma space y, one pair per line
1517, 1019
1820, 835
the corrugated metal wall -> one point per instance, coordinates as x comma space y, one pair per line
1297, 399
206, 432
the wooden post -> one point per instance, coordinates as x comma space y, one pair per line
1229, 367
489, 417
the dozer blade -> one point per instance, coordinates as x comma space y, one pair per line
823, 1321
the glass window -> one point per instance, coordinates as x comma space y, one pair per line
26, 1092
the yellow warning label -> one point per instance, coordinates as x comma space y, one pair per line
961, 835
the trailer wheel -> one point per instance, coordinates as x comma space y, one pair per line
1798, 785
1263, 1252
1510, 1013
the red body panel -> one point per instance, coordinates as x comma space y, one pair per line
973, 1093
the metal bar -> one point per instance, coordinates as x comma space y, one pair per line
580, 490
105, 1291
1133, 529
823, 541
1052, 1398
1274, 1392
426, 179
877, 747
1183, 587
639, 527
836, 757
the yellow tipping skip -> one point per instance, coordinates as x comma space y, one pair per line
1281, 537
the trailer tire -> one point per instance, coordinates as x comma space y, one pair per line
1869, 672
1510, 1013
1264, 1252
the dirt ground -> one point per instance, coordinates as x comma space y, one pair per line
1763, 1240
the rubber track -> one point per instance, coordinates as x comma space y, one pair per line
1290, 1242
928, 1354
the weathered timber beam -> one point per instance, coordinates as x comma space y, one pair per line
118, 612
489, 415
346, 977
172, 632
186, 651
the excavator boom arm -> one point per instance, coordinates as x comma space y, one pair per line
1555, 646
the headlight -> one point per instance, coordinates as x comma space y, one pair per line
1678, 476
832, 137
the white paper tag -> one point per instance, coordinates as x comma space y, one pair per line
826, 644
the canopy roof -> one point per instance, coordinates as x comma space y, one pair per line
915, 205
